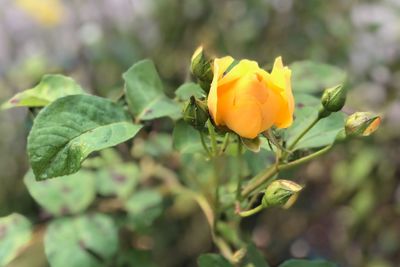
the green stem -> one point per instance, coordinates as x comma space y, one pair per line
252, 200
224, 144
203, 142
248, 213
305, 159
267, 173
239, 169
216, 184
213, 138
214, 153
207, 210
304, 132
259, 180
223, 247
210, 213
219, 242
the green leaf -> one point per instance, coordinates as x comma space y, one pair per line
86, 240
254, 257
143, 208
69, 195
69, 129
186, 90
15, 233
50, 88
117, 180
323, 133
186, 139
145, 94
312, 77
307, 263
212, 260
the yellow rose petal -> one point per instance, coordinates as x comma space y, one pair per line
244, 118
220, 65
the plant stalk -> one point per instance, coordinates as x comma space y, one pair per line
224, 144
239, 169
203, 142
248, 213
301, 135
269, 172
213, 138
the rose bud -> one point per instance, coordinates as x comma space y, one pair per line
201, 68
195, 113
362, 124
333, 99
279, 192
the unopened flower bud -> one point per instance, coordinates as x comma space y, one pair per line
201, 68
333, 99
362, 124
279, 192
195, 113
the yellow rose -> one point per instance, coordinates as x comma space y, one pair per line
249, 100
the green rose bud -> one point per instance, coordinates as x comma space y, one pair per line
201, 69
195, 113
333, 99
362, 124
279, 192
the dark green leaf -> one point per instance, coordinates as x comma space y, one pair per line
186, 90
86, 240
145, 94
50, 88
69, 195
69, 129
311, 77
307, 263
212, 260
15, 233
186, 139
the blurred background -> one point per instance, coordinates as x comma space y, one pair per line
350, 210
